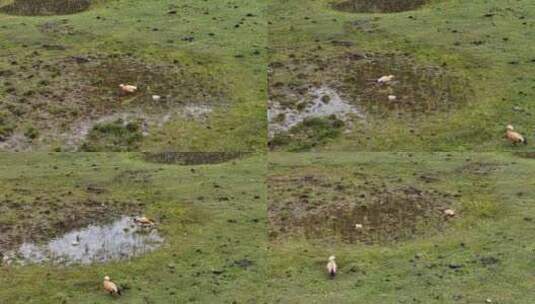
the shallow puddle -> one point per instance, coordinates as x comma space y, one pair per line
325, 102
150, 122
119, 240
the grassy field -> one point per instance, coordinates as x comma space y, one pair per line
59, 76
464, 71
212, 218
407, 254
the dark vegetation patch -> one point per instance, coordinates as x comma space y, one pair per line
308, 134
69, 95
44, 218
117, 136
379, 6
45, 7
322, 208
193, 158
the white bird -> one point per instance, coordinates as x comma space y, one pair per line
385, 79
392, 97
156, 97
331, 266
358, 226
111, 287
128, 88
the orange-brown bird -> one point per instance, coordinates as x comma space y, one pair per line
143, 221
331, 266
449, 212
514, 137
111, 287
127, 88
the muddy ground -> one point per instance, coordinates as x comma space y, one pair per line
48, 217
378, 6
77, 102
328, 207
323, 198
344, 87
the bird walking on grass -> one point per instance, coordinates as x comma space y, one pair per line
111, 287
514, 137
331, 267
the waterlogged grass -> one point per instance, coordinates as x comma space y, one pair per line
212, 218
60, 73
483, 46
484, 252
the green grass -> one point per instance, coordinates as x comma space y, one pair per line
224, 61
215, 215
492, 55
210, 219
494, 221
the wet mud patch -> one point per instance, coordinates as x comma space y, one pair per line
317, 207
193, 158
46, 218
45, 7
303, 86
119, 240
66, 99
324, 102
378, 6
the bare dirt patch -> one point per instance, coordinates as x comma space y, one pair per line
45, 7
317, 207
193, 158
379, 6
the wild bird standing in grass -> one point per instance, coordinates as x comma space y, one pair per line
514, 137
331, 266
127, 88
111, 287
385, 79
144, 221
